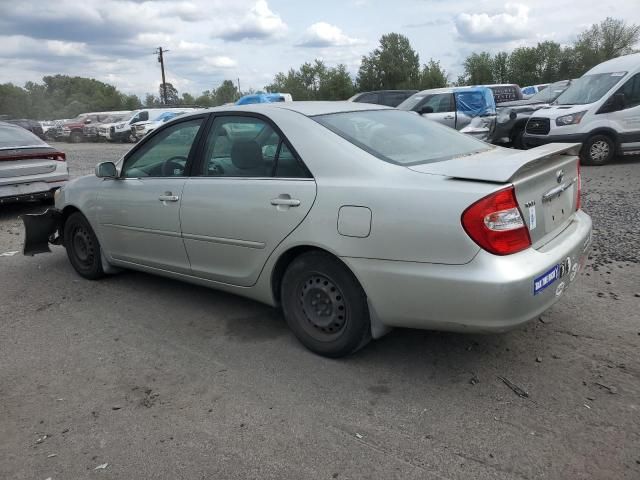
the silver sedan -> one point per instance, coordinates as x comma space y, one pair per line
352, 218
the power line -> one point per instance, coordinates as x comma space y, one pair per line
160, 51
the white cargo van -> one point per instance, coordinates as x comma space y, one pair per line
121, 131
601, 110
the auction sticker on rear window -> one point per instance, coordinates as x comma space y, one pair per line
546, 279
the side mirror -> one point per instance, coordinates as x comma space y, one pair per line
88, 120
425, 109
106, 170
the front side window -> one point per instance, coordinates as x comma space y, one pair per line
164, 155
248, 147
589, 88
631, 92
440, 103
403, 138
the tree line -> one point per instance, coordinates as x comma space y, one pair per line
393, 64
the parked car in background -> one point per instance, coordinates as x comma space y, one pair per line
141, 129
471, 110
120, 131
513, 116
264, 98
72, 130
50, 128
601, 110
32, 125
390, 98
314, 205
30, 169
90, 130
505, 92
531, 90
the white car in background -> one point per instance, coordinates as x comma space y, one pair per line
141, 129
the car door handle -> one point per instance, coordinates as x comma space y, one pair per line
288, 202
449, 117
168, 197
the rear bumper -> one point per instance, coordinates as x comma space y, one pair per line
537, 140
28, 191
40, 230
489, 294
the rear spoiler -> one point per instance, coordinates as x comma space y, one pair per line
498, 165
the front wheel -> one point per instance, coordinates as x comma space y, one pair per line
75, 137
83, 248
325, 306
597, 150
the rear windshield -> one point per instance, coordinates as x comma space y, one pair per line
11, 136
403, 138
589, 88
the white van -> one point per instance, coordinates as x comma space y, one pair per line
601, 110
121, 131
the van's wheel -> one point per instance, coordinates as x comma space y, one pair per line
75, 137
83, 248
324, 305
597, 150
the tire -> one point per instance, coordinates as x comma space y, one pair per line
517, 141
75, 137
598, 150
83, 248
325, 306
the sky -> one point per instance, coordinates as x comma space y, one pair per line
252, 40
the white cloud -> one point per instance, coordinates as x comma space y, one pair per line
258, 23
511, 24
323, 34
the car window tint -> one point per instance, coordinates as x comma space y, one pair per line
247, 147
368, 98
631, 92
440, 103
165, 154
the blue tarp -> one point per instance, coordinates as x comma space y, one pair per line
475, 101
260, 98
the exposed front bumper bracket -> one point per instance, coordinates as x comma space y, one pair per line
40, 230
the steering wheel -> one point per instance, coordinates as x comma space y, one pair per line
171, 164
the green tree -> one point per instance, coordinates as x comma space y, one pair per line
171, 92
394, 64
500, 67
523, 66
478, 69
187, 99
433, 75
606, 40
151, 100
227, 92
336, 84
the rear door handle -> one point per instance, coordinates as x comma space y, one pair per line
168, 197
288, 202
449, 117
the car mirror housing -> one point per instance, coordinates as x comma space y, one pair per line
426, 109
106, 170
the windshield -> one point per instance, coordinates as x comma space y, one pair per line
112, 119
411, 102
550, 93
12, 136
402, 138
589, 88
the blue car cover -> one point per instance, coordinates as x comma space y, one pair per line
475, 101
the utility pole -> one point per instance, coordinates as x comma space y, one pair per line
160, 53
239, 91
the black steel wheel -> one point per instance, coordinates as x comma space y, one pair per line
83, 248
324, 305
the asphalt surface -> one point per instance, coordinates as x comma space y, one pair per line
160, 379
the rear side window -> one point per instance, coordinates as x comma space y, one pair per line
399, 137
368, 98
13, 136
631, 92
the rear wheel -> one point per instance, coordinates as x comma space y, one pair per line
324, 305
75, 137
597, 150
83, 248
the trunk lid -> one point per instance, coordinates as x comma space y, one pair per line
21, 162
545, 181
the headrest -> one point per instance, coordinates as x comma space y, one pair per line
246, 154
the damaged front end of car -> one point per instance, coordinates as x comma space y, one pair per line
42, 229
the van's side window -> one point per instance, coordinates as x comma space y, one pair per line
631, 92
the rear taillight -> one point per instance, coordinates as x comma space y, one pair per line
496, 224
579, 190
58, 156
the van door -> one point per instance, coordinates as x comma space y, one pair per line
626, 122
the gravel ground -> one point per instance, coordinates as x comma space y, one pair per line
160, 379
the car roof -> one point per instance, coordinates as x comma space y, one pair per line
308, 108
627, 63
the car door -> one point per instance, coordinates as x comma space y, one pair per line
443, 109
248, 193
627, 120
139, 214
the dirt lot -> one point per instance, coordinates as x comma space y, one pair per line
159, 379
